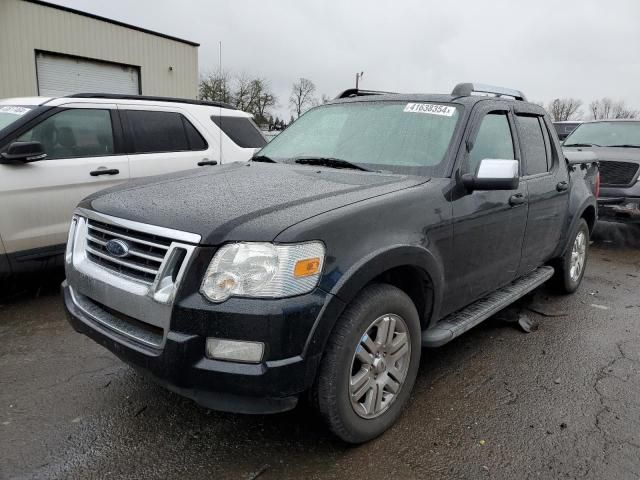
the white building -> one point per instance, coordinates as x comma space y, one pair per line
50, 50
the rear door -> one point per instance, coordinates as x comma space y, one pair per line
163, 141
488, 228
548, 185
84, 155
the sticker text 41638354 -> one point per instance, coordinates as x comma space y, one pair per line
430, 108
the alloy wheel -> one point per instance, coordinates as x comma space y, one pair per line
578, 256
379, 366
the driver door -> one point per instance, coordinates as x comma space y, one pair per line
488, 226
82, 143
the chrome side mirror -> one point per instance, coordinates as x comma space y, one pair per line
493, 174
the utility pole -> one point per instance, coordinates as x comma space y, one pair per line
358, 78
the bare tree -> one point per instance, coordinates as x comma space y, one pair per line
562, 109
262, 98
302, 96
325, 98
215, 86
243, 92
605, 108
247, 93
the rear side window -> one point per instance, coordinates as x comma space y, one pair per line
494, 140
156, 132
241, 130
533, 145
196, 142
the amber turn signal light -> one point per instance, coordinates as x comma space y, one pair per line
306, 267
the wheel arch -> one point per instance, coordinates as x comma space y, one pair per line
588, 212
414, 270
398, 266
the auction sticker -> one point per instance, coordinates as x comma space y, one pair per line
431, 108
14, 110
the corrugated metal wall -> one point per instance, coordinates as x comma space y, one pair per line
62, 75
26, 27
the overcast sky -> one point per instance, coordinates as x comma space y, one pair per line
581, 48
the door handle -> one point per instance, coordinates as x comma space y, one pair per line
562, 186
104, 171
517, 199
206, 161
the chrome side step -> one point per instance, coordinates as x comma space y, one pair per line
459, 322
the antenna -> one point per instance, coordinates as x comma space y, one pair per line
222, 86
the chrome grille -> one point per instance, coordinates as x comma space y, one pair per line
130, 291
617, 173
146, 251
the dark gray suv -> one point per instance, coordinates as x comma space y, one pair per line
616, 144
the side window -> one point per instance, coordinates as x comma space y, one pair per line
494, 140
77, 132
532, 143
196, 142
157, 132
547, 144
552, 150
241, 130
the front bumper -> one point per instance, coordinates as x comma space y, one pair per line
181, 366
161, 325
619, 209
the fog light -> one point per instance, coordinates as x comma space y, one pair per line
234, 350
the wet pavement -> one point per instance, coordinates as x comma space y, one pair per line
561, 402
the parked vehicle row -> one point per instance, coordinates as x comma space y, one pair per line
372, 226
56, 151
616, 145
564, 128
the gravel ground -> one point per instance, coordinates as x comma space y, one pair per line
561, 402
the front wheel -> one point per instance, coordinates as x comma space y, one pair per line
571, 266
370, 364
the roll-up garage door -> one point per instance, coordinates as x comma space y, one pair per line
60, 75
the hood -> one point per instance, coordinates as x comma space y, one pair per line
239, 201
618, 154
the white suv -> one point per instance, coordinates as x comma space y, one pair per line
56, 151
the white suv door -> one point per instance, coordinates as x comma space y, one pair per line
38, 198
163, 140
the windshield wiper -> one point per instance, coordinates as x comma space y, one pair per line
581, 145
263, 158
330, 162
626, 145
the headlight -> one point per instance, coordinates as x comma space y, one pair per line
263, 270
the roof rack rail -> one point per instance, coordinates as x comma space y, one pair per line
117, 96
356, 92
466, 89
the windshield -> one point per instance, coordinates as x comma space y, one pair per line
401, 137
605, 134
11, 113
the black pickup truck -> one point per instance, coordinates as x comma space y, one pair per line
373, 226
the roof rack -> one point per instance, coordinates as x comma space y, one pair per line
467, 89
117, 96
356, 92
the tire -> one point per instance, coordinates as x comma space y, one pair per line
382, 305
565, 279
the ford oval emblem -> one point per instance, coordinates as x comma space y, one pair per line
117, 248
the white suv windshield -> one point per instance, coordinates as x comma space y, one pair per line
401, 137
11, 113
